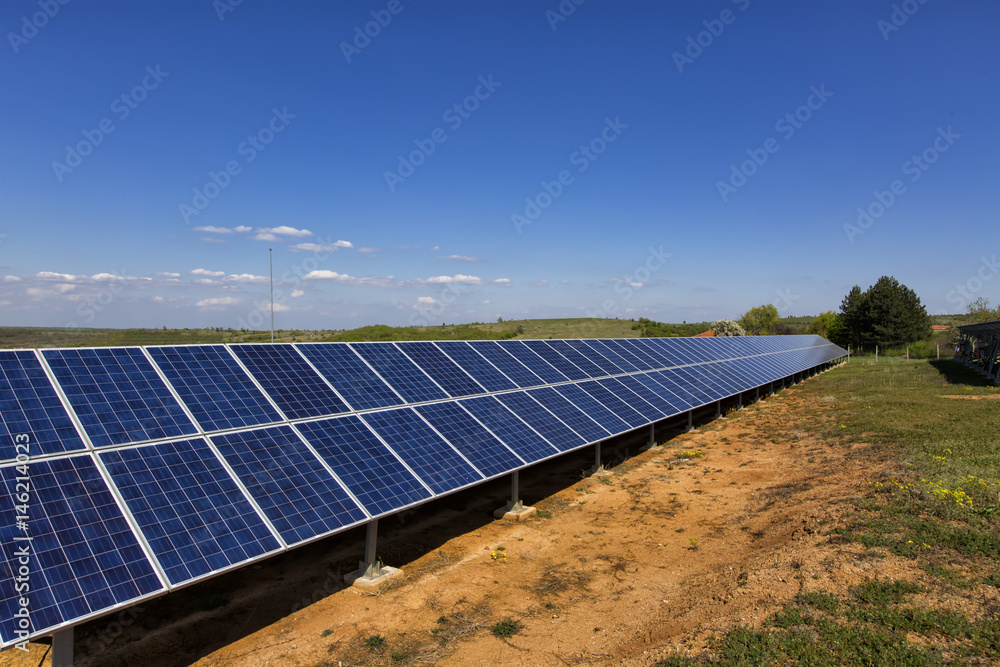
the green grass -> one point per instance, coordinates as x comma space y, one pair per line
507, 627
932, 498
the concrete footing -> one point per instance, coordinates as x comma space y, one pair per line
514, 511
372, 576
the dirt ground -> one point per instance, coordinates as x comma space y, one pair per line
719, 526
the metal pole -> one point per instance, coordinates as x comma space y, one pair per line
515, 493
270, 265
371, 549
597, 457
62, 648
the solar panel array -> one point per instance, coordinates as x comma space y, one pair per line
150, 468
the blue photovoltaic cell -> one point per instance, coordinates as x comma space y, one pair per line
569, 414
30, 410
638, 360
603, 416
551, 355
508, 365
476, 365
647, 351
691, 383
612, 355
438, 465
400, 372
595, 357
507, 426
579, 360
445, 372
613, 403
350, 375
118, 395
675, 383
469, 437
634, 401
214, 388
191, 512
661, 405
297, 493
289, 380
558, 434
677, 403
538, 366
364, 464
671, 348
83, 556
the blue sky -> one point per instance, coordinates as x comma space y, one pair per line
464, 161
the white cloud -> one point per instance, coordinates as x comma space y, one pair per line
321, 247
49, 275
209, 239
102, 277
457, 278
62, 288
427, 300
502, 281
296, 293
375, 281
167, 274
539, 283
485, 302
246, 278
265, 236
435, 248
281, 308
281, 230
462, 258
158, 299
219, 302
11, 279
367, 249
564, 282
205, 281
214, 230
242, 229
206, 272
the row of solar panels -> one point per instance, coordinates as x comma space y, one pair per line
258, 448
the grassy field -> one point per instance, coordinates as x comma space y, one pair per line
933, 499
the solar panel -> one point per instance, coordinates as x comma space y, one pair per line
289, 380
612, 355
506, 363
214, 388
443, 370
298, 495
370, 471
559, 362
191, 512
538, 366
117, 395
589, 368
470, 438
548, 425
594, 357
353, 379
511, 429
476, 365
400, 372
613, 403
31, 414
297, 442
569, 414
83, 557
439, 465
594, 409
